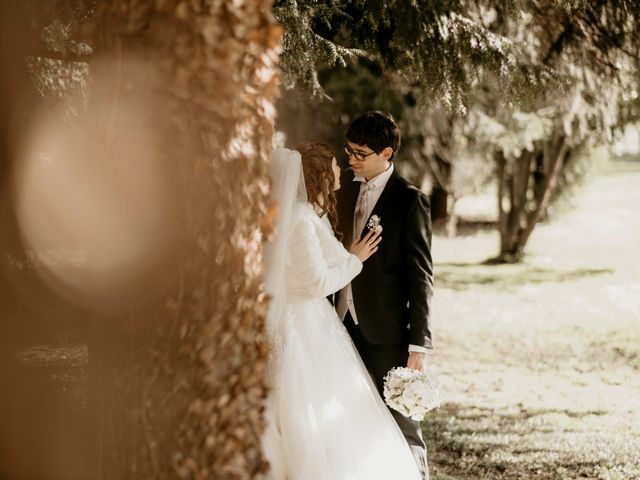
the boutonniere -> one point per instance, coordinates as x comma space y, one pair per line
374, 223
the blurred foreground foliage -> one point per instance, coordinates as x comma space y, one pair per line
177, 371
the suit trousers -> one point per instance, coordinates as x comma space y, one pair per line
379, 359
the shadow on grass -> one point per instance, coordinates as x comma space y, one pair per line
461, 276
622, 344
483, 443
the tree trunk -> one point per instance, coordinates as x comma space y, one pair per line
439, 207
501, 177
529, 187
556, 164
178, 381
437, 148
452, 221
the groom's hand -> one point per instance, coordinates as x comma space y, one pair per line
417, 361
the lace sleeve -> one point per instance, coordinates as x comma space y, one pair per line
314, 276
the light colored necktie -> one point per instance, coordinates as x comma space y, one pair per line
361, 210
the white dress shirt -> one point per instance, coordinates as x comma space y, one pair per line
372, 189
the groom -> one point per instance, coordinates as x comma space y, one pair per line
386, 308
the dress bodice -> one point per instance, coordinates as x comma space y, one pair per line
317, 263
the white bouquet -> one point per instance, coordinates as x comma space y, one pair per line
411, 392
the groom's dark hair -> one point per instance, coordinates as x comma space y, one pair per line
377, 130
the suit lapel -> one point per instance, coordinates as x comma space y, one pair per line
349, 196
387, 194
372, 266
352, 198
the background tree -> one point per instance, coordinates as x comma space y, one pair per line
435, 144
401, 56
590, 52
567, 60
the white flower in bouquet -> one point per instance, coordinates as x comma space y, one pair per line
395, 385
411, 392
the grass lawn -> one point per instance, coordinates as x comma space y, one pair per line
539, 363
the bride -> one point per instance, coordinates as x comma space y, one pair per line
325, 418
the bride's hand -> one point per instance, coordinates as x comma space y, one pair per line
366, 246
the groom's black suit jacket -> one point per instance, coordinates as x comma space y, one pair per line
392, 294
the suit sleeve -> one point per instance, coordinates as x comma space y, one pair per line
417, 247
316, 278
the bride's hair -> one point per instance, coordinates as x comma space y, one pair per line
317, 158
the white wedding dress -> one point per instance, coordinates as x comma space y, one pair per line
325, 418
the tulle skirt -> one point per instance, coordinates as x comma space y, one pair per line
325, 419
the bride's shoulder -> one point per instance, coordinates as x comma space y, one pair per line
303, 211
303, 223
306, 218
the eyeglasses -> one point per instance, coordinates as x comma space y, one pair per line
358, 156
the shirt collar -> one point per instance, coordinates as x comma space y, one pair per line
379, 180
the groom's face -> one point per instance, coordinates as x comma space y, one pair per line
367, 163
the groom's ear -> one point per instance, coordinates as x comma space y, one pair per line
387, 153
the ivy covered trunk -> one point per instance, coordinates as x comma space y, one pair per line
178, 381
